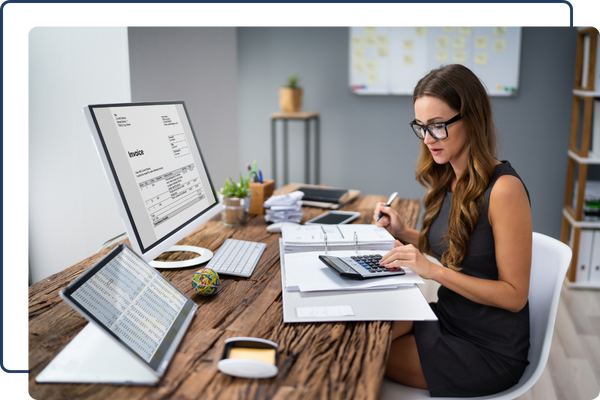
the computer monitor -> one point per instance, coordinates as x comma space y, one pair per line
155, 167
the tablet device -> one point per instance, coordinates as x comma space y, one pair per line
335, 217
135, 305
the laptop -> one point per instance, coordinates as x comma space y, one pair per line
137, 318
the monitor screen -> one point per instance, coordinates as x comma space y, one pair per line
154, 164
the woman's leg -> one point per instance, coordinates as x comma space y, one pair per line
403, 363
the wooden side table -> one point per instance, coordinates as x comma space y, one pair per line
306, 117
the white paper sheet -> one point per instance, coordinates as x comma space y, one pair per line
306, 273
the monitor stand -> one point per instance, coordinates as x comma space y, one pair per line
95, 357
203, 256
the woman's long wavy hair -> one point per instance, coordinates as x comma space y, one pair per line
460, 89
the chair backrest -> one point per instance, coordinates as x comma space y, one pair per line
550, 262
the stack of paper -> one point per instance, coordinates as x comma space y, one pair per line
304, 272
284, 208
336, 237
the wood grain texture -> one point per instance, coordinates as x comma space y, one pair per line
316, 360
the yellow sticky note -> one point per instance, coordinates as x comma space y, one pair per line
371, 65
358, 41
443, 41
382, 40
359, 53
382, 51
441, 55
408, 59
448, 29
359, 66
372, 78
499, 45
369, 32
421, 31
264, 355
463, 30
460, 57
481, 42
408, 44
500, 31
459, 42
481, 58
370, 41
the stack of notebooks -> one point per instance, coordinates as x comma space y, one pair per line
301, 245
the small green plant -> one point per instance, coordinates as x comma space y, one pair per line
292, 81
239, 190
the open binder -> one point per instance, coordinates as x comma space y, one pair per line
303, 244
336, 237
349, 303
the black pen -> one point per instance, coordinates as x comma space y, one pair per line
389, 203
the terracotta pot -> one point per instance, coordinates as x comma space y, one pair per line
290, 100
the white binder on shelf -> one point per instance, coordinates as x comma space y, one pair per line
595, 258
583, 259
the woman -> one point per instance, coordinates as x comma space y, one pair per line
477, 223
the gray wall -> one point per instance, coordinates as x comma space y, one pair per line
199, 66
365, 140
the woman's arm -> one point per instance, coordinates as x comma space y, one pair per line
510, 217
394, 224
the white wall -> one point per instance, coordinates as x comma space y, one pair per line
72, 209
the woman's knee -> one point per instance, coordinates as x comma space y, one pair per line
401, 328
403, 363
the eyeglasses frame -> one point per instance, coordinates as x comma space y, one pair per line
457, 117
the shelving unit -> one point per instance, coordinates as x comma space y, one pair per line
584, 94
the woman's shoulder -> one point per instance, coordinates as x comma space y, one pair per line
506, 182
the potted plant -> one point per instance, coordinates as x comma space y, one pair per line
290, 95
235, 198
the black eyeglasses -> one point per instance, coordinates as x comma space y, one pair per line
437, 130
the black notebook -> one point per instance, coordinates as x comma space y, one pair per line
328, 195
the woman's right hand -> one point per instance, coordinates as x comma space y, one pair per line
390, 220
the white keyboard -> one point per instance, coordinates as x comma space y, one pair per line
237, 257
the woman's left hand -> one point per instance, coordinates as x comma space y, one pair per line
409, 256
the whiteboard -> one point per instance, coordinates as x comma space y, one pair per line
391, 60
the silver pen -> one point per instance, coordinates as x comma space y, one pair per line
389, 203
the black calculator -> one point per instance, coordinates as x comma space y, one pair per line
360, 267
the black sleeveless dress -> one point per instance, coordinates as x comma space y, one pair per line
473, 349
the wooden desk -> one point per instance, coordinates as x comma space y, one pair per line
341, 360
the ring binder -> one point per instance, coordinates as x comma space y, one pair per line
330, 238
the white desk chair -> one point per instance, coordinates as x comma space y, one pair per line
549, 264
